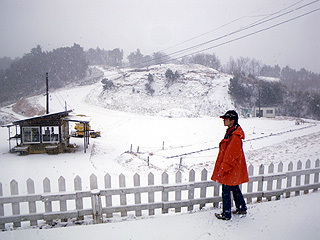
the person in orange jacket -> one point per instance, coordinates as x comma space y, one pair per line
231, 169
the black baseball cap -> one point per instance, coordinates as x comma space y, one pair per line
233, 115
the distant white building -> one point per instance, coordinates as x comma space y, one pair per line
269, 112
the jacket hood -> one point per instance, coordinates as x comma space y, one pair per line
239, 132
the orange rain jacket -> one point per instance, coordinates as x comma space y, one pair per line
231, 168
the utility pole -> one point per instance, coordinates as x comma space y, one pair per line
47, 93
259, 104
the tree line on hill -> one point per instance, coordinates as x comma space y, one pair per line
295, 93
249, 92
26, 75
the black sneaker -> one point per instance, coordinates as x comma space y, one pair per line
220, 216
239, 212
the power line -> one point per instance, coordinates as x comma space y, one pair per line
229, 34
250, 34
240, 30
233, 21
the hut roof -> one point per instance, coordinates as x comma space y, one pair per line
47, 117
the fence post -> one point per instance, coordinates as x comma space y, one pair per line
165, 195
2, 225
279, 181
62, 188
250, 184
289, 179
93, 182
107, 184
316, 175
178, 192
15, 206
96, 206
32, 204
298, 178
191, 190
151, 194
47, 203
123, 197
137, 195
307, 176
270, 182
79, 202
203, 190
260, 182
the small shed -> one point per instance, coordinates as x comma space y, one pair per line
269, 112
48, 133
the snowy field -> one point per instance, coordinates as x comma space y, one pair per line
165, 140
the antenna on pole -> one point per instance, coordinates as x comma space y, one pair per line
47, 93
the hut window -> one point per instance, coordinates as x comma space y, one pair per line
31, 134
50, 134
269, 111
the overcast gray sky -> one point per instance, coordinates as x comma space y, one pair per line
162, 25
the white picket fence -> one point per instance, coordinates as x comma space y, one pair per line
99, 205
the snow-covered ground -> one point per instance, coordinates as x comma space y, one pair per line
293, 218
165, 140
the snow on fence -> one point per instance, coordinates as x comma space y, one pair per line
99, 205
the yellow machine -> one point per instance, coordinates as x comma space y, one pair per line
79, 127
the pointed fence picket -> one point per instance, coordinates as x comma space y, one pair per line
140, 200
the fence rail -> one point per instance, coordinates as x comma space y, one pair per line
98, 205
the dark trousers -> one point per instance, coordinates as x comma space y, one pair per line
237, 197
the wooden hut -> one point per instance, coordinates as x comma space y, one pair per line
48, 133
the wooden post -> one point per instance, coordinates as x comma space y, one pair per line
178, 192
270, 182
2, 225
307, 176
216, 193
165, 195
298, 178
191, 190
47, 203
137, 195
289, 179
151, 194
15, 206
123, 197
47, 93
250, 184
316, 175
96, 206
279, 181
107, 185
203, 190
79, 201
62, 188
260, 182
32, 204
93, 182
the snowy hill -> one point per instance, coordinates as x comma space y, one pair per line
198, 91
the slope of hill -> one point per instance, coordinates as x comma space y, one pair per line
198, 91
